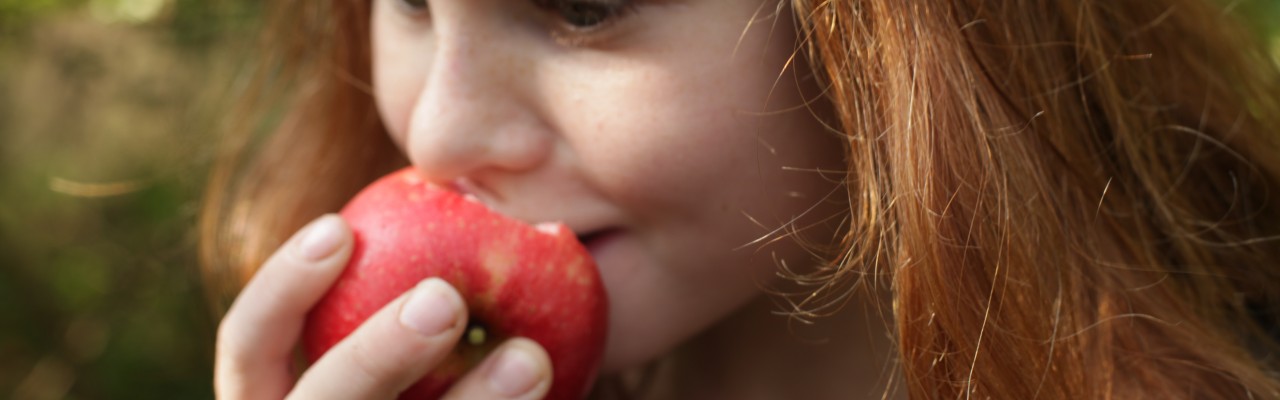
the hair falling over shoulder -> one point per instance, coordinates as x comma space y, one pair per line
1071, 199
1067, 198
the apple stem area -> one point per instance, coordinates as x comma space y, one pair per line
477, 341
477, 334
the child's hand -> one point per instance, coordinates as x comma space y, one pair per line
388, 353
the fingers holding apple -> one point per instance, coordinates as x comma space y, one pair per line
515, 370
515, 280
257, 336
407, 338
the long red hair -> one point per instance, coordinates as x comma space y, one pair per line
1065, 198
1073, 199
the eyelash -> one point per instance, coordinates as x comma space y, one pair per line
607, 13
599, 13
597, 16
412, 7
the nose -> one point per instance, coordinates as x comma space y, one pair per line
475, 113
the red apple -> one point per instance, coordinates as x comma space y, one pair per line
517, 280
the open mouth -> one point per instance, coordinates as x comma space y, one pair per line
594, 239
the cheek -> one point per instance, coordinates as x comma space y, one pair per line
699, 128
687, 139
400, 66
663, 147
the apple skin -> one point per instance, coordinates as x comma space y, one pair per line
517, 280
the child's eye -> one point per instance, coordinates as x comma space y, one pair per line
586, 15
413, 5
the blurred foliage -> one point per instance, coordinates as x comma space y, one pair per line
107, 109
107, 112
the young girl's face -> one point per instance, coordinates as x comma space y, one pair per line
666, 133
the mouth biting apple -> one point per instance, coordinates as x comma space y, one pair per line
537, 282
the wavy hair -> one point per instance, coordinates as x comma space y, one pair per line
1070, 198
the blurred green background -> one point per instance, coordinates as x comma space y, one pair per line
108, 111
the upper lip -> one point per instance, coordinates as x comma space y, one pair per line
584, 227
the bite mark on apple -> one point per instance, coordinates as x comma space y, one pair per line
550, 228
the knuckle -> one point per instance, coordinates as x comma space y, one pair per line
379, 371
233, 362
384, 365
234, 336
229, 377
229, 343
237, 348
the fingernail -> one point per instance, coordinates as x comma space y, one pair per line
431, 309
514, 373
321, 239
